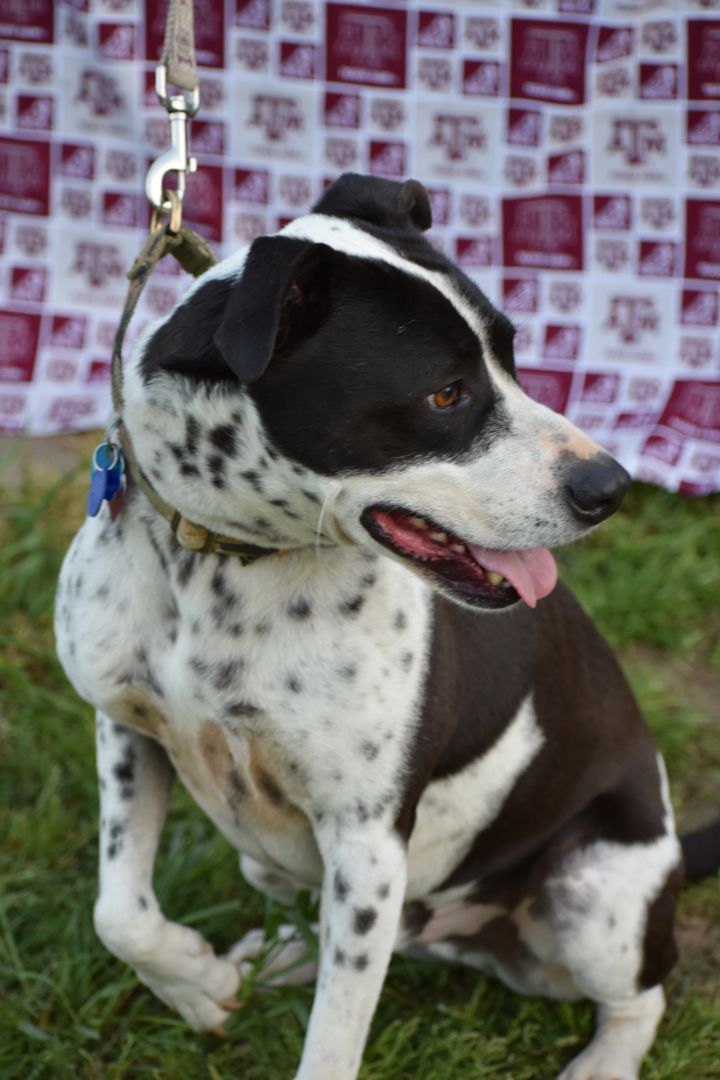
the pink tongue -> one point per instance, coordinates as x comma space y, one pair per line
532, 573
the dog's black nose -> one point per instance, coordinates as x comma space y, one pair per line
595, 488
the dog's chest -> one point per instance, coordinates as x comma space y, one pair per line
277, 701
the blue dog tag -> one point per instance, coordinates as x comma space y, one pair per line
107, 476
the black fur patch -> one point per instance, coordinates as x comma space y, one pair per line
364, 919
340, 887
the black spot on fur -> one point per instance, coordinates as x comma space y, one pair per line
383, 891
216, 465
144, 673
347, 671
226, 673
368, 580
242, 708
124, 769
192, 435
300, 609
364, 919
142, 903
199, 666
353, 606
253, 478
360, 962
339, 958
282, 504
294, 684
263, 627
102, 592
188, 469
311, 496
217, 582
117, 829
223, 437
370, 750
400, 620
341, 887
362, 812
406, 661
379, 808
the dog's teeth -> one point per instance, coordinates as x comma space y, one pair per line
494, 578
418, 523
441, 537
460, 548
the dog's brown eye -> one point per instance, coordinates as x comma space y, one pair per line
448, 396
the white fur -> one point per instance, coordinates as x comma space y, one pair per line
452, 810
624, 1033
601, 897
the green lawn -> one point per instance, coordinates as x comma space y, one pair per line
651, 578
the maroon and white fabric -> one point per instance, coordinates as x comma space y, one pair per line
571, 149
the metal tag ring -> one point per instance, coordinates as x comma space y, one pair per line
115, 458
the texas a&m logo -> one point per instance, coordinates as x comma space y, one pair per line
632, 317
636, 139
548, 61
366, 45
100, 92
457, 135
97, 262
482, 33
543, 231
276, 116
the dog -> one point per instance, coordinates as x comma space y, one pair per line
394, 705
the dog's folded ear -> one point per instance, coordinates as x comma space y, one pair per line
378, 202
233, 326
281, 298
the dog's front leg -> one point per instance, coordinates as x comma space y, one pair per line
176, 962
362, 896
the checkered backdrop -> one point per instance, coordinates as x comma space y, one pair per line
571, 149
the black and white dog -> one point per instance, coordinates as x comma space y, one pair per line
349, 710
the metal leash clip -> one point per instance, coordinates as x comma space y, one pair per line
180, 108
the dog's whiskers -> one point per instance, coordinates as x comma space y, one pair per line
328, 501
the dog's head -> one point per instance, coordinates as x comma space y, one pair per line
372, 360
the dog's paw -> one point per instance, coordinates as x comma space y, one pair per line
591, 1065
287, 960
184, 972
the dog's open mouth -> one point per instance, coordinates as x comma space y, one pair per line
478, 576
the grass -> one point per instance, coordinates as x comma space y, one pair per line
651, 578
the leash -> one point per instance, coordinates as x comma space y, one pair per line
114, 461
